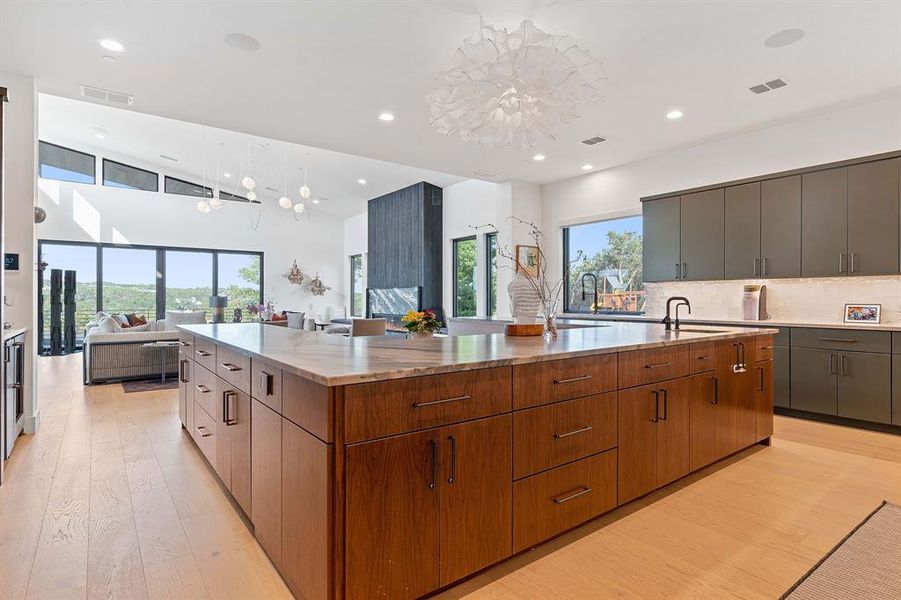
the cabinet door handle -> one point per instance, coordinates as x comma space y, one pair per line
266, 383
202, 388
665, 404
760, 379
716, 391
567, 497
453, 475
202, 353
201, 429
684, 270
434, 446
657, 365
183, 343
181, 371
830, 369
844, 364
841, 263
229, 401
656, 416
766, 347
844, 341
853, 255
756, 267
230, 367
765, 263
703, 356
677, 271
442, 401
560, 436
573, 379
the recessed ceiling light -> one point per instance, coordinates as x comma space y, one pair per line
539, 157
786, 37
227, 175
674, 114
100, 132
386, 116
587, 167
100, 136
111, 45
361, 181
109, 59
316, 201
242, 42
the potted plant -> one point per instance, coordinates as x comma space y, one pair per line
421, 323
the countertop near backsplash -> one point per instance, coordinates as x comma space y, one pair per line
790, 302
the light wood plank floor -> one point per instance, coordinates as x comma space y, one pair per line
110, 499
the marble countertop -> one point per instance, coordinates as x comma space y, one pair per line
8, 334
336, 360
575, 317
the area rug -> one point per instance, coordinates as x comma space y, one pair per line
864, 565
150, 385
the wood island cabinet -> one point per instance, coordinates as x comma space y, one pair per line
400, 487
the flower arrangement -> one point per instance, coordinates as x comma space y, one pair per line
423, 323
264, 311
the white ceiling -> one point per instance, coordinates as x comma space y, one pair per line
139, 139
327, 69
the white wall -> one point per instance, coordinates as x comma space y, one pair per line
98, 213
860, 130
19, 150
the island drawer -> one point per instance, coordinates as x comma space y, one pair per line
639, 367
552, 381
552, 502
205, 353
205, 433
763, 347
382, 408
702, 357
266, 384
854, 340
205, 390
233, 367
549, 436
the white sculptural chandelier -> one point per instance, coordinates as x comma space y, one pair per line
514, 88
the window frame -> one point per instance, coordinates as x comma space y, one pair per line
167, 178
93, 158
352, 290
490, 273
454, 253
566, 266
105, 160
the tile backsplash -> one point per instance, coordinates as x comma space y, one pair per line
817, 300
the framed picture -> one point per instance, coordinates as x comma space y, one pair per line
863, 313
528, 257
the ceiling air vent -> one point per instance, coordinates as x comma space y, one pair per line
594, 140
484, 175
108, 96
775, 84
271, 189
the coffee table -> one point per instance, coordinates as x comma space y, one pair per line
321, 326
163, 346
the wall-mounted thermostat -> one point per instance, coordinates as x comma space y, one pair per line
10, 262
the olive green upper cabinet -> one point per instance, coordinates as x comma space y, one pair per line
743, 231
873, 218
824, 223
780, 226
660, 250
702, 235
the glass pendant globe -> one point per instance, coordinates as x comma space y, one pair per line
248, 182
216, 203
203, 206
304, 191
299, 207
284, 202
251, 195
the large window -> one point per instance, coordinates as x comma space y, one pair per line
186, 188
238, 277
491, 254
602, 262
65, 164
147, 280
465, 277
130, 178
356, 285
189, 280
129, 281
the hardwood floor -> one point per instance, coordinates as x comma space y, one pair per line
110, 499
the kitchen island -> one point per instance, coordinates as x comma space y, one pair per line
385, 467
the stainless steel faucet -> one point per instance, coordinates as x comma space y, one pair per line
667, 320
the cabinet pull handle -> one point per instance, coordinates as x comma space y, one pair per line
756, 267
229, 399
684, 270
201, 429
765, 263
844, 364
266, 383
181, 371
560, 436
572, 379
847, 341
716, 391
566, 498
841, 263
442, 401
853, 254
202, 388
739, 365
665, 404
453, 475
657, 365
656, 416
434, 445
183, 343
830, 369
703, 357
230, 367
766, 347
677, 270
760, 380
203, 353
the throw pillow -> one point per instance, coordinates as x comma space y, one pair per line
108, 325
121, 319
295, 320
134, 319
